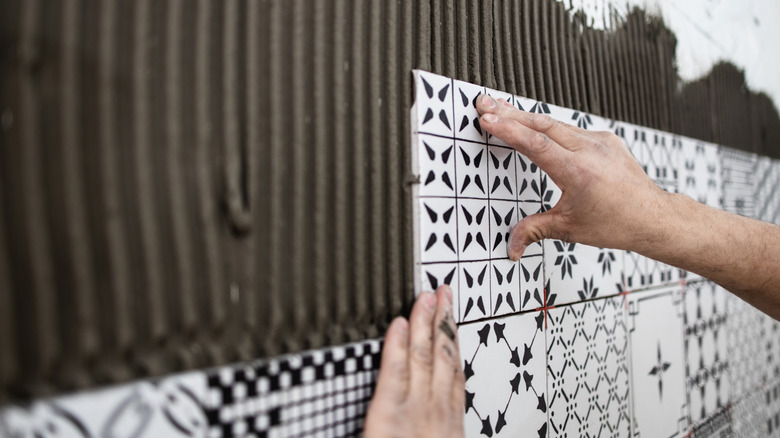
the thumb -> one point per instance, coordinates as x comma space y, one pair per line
531, 230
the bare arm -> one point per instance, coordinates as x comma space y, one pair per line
608, 201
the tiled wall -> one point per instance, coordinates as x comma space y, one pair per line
570, 341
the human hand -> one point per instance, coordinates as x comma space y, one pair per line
420, 391
607, 200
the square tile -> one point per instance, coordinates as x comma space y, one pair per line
699, 171
505, 287
642, 273
503, 216
655, 323
504, 363
767, 193
436, 166
531, 282
437, 274
745, 333
471, 167
738, 179
577, 272
432, 112
549, 192
528, 179
467, 125
474, 291
438, 230
473, 229
587, 369
502, 177
707, 353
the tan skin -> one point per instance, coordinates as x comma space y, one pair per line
607, 201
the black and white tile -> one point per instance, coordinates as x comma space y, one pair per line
588, 369
504, 362
655, 323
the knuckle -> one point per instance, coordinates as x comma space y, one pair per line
543, 122
540, 142
422, 355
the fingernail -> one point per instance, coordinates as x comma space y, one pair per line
430, 301
515, 252
448, 293
490, 118
488, 101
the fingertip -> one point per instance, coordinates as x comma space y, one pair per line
489, 118
399, 325
486, 104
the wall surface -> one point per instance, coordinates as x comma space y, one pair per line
185, 184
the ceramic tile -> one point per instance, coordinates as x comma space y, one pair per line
507, 97
505, 287
471, 167
771, 354
433, 104
655, 324
707, 355
436, 166
531, 282
473, 229
772, 409
745, 337
699, 171
528, 179
504, 363
474, 291
766, 192
577, 272
503, 216
642, 273
437, 274
467, 125
587, 369
502, 177
654, 150
438, 230
738, 180
549, 192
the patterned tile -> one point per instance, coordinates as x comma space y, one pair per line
433, 104
587, 365
504, 362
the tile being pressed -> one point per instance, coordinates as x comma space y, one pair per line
587, 369
505, 287
438, 230
706, 348
504, 363
471, 167
474, 291
577, 272
502, 177
432, 112
499, 96
473, 229
467, 125
655, 324
436, 166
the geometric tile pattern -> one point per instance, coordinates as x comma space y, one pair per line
570, 341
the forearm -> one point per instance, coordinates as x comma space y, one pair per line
739, 253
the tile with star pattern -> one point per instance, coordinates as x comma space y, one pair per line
432, 113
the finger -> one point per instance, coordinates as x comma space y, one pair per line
532, 229
568, 136
393, 380
446, 358
538, 147
421, 344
